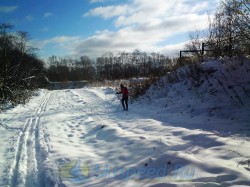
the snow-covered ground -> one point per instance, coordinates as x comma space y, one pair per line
176, 134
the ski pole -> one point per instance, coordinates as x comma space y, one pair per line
118, 108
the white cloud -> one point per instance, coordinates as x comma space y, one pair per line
108, 11
29, 18
96, 1
127, 39
63, 39
106, 41
59, 40
144, 11
62, 44
47, 14
140, 24
171, 49
143, 24
7, 9
45, 29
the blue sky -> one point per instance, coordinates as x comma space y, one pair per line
93, 27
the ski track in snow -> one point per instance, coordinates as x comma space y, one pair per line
27, 166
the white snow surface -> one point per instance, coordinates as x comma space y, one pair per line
176, 134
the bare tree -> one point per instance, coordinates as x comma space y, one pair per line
230, 29
19, 69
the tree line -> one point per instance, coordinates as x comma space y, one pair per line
68, 69
20, 69
123, 65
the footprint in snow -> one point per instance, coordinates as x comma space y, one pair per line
130, 142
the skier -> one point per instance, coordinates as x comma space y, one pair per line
124, 92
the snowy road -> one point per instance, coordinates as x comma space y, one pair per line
78, 138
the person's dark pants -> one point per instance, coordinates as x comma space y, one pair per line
125, 103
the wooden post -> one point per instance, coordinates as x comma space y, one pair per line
202, 48
180, 56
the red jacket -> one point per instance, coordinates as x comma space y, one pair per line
124, 92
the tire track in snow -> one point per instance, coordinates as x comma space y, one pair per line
27, 167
